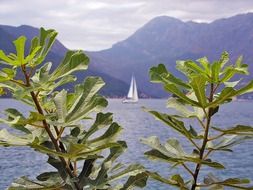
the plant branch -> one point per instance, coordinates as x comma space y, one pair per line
61, 145
201, 123
47, 128
59, 132
18, 83
206, 114
31, 71
207, 154
75, 168
216, 137
39, 126
194, 143
188, 169
205, 140
37, 94
216, 87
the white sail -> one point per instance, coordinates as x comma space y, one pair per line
130, 92
135, 92
132, 95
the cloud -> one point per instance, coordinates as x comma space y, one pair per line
97, 24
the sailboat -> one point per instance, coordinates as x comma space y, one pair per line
132, 96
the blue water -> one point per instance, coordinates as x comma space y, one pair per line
16, 162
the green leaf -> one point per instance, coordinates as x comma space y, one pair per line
43, 82
60, 101
185, 110
71, 108
229, 92
14, 118
172, 122
224, 59
205, 64
115, 152
210, 163
42, 74
47, 38
180, 181
109, 136
140, 180
191, 65
166, 153
75, 151
231, 84
8, 139
75, 132
7, 74
100, 173
237, 130
131, 170
216, 66
20, 49
160, 74
2, 92
174, 180
227, 73
35, 117
42, 45
57, 164
226, 142
86, 171
86, 100
7, 60
24, 183
172, 152
47, 175
18, 121
30, 58
194, 132
174, 90
198, 84
102, 120
238, 68
34, 44
73, 61
235, 183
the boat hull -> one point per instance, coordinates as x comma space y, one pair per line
129, 101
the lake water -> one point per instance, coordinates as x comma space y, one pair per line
16, 162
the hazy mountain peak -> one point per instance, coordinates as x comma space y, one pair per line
161, 22
164, 20
165, 39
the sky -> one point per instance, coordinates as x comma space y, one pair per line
97, 24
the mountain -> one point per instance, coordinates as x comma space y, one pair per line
162, 40
165, 39
113, 87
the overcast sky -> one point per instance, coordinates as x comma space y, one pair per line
97, 24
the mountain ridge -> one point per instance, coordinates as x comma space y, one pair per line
162, 40
165, 40
113, 88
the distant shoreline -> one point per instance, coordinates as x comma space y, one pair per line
113, 98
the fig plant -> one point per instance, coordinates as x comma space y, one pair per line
206, 87
60, 121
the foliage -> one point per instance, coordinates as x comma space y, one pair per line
206, 88
58, 125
